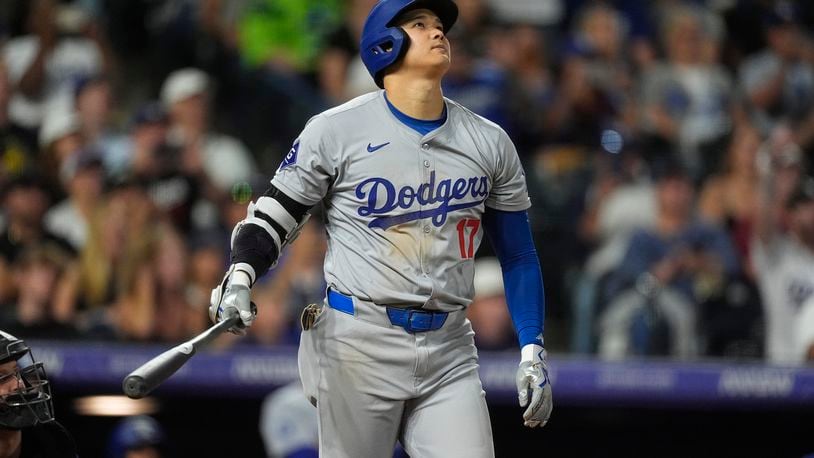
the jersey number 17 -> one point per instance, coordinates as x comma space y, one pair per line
467, 247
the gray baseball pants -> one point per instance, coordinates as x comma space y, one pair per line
374, 383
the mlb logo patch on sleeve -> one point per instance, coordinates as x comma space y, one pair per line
291, 157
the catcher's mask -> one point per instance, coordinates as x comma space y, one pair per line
25, 395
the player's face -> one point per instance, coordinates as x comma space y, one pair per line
429, 47
8, 379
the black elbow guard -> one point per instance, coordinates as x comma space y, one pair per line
254, 246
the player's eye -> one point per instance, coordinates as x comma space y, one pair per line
5, 378
419, 24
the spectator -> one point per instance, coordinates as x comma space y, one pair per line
342, 75
112, 294
36, 274
156, 165
140, 436
668, 272
61, 44
488, 311
148, 135
215, 158
804, 332
60, 136
520, 50
779, 80
82, 175
729, 198
478, 83
181, 319
620, 202
208, 254
596, 80
25, 201
288, 424
783, 246
92, 98
687, 99
17, 146
475, 17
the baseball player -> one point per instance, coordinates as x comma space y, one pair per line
409, 182
27, 424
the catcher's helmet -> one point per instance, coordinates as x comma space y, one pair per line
383, 44
25, 397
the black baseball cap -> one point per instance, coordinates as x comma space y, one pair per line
667, 168
25, 180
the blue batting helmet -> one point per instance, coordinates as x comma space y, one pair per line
383, 43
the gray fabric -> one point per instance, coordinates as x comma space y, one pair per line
374, 384
415, 261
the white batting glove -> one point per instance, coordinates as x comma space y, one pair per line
234, 292
532, 375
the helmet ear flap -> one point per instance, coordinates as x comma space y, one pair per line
396, 54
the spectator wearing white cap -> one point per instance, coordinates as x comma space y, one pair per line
222, 159
60, 136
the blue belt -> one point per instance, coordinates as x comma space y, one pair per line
412, 320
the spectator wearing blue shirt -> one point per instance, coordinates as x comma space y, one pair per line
668, 272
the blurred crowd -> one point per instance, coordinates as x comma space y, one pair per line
667, 146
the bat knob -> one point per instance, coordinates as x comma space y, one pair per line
134, 387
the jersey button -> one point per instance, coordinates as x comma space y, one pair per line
426, 229
426, 163
425, 146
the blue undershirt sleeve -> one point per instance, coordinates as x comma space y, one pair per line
510, 236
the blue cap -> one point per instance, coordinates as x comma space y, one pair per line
150, 113
133, 433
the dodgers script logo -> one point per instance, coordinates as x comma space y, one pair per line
382, 197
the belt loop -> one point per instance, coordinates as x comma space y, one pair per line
408, 325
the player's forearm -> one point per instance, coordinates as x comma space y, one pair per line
253, 246
523, 283
510, 235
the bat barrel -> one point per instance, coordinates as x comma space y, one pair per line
135, 387
148, 376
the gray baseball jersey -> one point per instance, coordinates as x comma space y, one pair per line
403, 217
403, 211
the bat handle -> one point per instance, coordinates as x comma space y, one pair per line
207, 336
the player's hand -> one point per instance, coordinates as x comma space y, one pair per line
233, 295
532, 376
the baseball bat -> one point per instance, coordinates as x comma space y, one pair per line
149, 375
